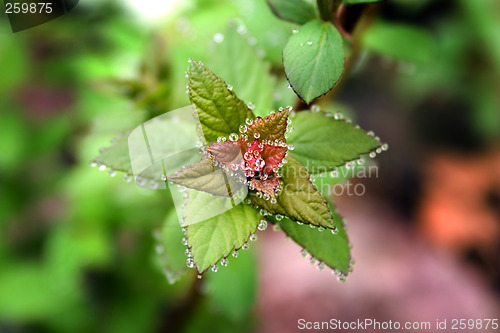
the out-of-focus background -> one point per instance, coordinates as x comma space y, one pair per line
77, 246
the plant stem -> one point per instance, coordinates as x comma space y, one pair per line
176, 317
325, 9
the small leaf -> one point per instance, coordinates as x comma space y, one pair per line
400, 41
271, 127
219, 111
273, 155
299, 199
206, 176
314, 59
226, 152
238, 62
172, 256
331, 249
116, 156
216, 237
268, 186
323, 143
297, 11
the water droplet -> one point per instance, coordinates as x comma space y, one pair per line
312, 226
321, 266
102, 167
279, 217
188, 253
93, 163
185, 241
214, 268
111, 172
385, 146
235, 254
263, 212
127, 177
243, 129
313, 260
342, 278
224, 261
304, 253
334, 231
233, 137
361, 161
251, 106
309, 43
140, 181
266, 196
184, 230
320, 229
273, 200
378, 150
230, 87
245, 246
301, 44
159, 249
241, 29
163, 177
218, 37
256, 135
253, 237
190, 262
334, 173
315, 108
370, 133
338, 115
248, 121
373, 154
199, 276
259, 195
295, 31
262, 225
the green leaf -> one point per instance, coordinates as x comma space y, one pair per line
322, 143
232, 290
206, 176
237, 61
216, 237
353, 2
314, 59
116, 156
219, 111
332, 249
297, 11
172, 257
400, 41
159, 146
299, 199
